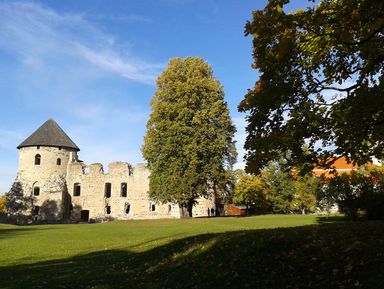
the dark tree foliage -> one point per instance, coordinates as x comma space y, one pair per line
189, 141
280, 187
18, 205
320, 90
359, 192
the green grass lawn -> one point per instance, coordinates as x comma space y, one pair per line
270, 251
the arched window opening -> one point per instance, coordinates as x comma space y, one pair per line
37, 159
76, 189
123, 190
36, 191
108, 210
169, 209
107, 190
58, 162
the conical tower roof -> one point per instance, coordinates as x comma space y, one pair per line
49, 134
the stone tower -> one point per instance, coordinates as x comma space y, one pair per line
43, 160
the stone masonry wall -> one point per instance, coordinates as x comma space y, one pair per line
48, 176
57, 199
92, 180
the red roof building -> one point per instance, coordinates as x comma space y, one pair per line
340, 166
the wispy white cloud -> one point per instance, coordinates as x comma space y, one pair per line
131, 18
67, 67
113, 63
41, 37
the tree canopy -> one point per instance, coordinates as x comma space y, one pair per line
3, 208
249, 191
17, 204
277, 189
189, 140
320, 90
279, 186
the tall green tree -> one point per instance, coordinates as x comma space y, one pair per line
189, 140
306, 189
249, 191
279, 185
321, 84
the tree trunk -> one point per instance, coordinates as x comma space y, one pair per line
183, 211
186, 209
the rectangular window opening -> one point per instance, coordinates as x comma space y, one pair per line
84, 215
107, 190
76, 189
123, 191
36, 191
127, 208
36, 210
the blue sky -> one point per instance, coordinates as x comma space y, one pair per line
92, 66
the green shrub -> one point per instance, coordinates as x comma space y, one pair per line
358, 194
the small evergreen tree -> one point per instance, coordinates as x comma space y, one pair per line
279, 186
17, 204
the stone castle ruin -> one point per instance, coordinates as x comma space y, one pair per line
62, 188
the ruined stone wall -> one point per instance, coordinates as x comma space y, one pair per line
57, 199
204, 207
92, 181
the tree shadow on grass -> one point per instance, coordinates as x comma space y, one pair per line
331, 219
18, 231
337, 255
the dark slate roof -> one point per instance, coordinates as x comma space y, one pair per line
49, 134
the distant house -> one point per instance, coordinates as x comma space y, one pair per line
340, 166
236, 210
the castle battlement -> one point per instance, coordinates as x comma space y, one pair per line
114, 168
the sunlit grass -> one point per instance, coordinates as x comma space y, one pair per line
269, 251
27, 244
